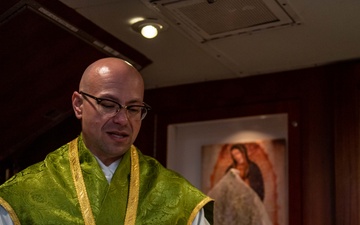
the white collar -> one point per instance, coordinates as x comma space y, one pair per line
108, 170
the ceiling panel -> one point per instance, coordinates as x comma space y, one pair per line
324, 32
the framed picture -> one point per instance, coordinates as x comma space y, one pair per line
200, 151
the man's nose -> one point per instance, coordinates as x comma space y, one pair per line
121, 116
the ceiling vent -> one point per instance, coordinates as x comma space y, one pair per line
208, 20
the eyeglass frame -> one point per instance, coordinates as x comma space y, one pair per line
120, 106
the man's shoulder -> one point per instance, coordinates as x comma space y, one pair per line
22, 178
157, 167
154, 170
36, 170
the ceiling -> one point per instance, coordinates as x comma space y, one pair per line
317, 33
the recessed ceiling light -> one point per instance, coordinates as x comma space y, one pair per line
149, 28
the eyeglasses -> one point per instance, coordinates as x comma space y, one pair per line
111, 108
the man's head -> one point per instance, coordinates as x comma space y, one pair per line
109, 136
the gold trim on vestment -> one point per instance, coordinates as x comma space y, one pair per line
130, 216
10, 210
80, 184
197, 209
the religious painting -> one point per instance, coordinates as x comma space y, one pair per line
248, 181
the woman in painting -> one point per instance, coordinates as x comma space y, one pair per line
249, 171
239, 193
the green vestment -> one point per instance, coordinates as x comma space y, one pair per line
142, 191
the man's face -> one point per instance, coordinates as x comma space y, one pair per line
109, 137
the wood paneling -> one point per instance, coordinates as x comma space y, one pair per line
347, 144
320, 100
44, 48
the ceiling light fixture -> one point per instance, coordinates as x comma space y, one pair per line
149, 28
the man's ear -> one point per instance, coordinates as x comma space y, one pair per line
77, 102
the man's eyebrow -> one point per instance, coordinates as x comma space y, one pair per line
112, 98
135, 101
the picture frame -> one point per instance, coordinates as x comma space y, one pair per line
185, 141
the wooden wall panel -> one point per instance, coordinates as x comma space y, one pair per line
347, 144
44, 49
306, 94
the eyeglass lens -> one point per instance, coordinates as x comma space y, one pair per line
111, 108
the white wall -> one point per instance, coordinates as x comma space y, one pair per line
186, 139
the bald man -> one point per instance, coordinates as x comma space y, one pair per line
101, 177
